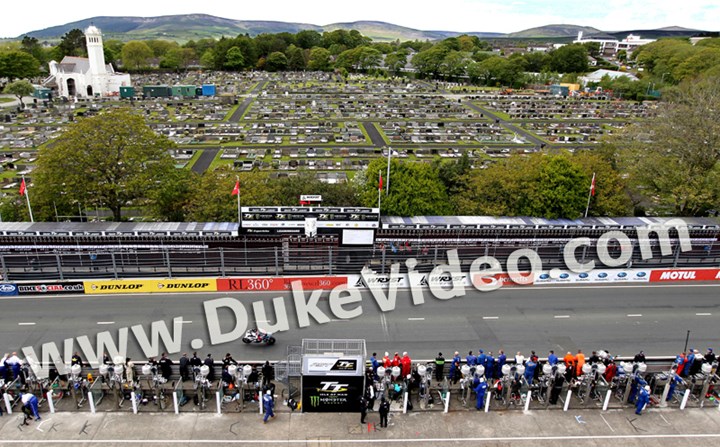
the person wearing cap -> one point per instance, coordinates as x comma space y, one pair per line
268, 405
480, 390
642, 400
406, 364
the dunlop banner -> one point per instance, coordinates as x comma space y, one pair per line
151, 286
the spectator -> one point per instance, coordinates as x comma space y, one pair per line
165, 366
228, 360
639, 358
106, 359
710, 356
76, 359
267, 373
519, 359
184, 367
384, 410
210, 363
552, 358
406, 364
439, 367
470, 359
594, 358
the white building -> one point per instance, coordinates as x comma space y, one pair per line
597, 76
612, 46
86, 77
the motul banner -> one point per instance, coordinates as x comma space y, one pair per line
685, 275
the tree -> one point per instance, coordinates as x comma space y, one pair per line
296, 58
415, 189
276, 61
170, 195
308, 39
550, 186
18, 65
395, 62
569, 59
31, 46
234, 59
178, 58
136, 54
110, 160
161, 47
212, 199
319, 59
20, 89
73, 43
673, 160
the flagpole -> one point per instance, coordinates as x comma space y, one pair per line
380, 188
592, 186
237, 177
387, 187
27, 196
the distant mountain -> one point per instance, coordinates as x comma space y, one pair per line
554, 31
182, 28
176, 27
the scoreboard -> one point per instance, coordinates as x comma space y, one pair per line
309, 221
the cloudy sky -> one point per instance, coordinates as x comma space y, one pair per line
449, 15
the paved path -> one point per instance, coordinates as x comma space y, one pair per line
664, 428
372, 131
511, 127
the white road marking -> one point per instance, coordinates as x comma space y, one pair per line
29, 323
105, 322
416, 319
703, 314
383, 323
491, 318
634, 315
562, 316
186, 321
607, 423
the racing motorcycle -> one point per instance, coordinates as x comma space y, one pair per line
256, 336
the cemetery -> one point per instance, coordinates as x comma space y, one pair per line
322, 122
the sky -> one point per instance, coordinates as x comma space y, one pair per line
503, 16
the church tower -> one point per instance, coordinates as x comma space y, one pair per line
96, 56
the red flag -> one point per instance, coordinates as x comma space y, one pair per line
592, 186
22, 187
236, 189
380, 185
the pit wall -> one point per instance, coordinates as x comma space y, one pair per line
284, 283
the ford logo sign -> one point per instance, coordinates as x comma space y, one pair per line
564, 276
544, 276
622, 275
583, 275
602, 275
640, 274
7, 288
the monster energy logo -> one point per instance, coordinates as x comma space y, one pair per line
314, 401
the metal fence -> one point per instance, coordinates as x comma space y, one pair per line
172, 262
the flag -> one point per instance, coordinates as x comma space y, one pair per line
236, 189
22, 187
380, 185
592, 186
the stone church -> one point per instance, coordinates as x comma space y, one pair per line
86, 77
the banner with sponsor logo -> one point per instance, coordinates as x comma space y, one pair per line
526, 279
331, 393
151, 286
665, 275
7, 289
42, 288
595, 276
279, 283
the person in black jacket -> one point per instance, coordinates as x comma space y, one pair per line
195, 362
384, 410
267, 373
165, 366
363, 409
439, 367
211, 364
184, 367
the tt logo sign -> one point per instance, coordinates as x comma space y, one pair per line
345, 365
334, 387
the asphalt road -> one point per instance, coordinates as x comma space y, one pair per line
622, 320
